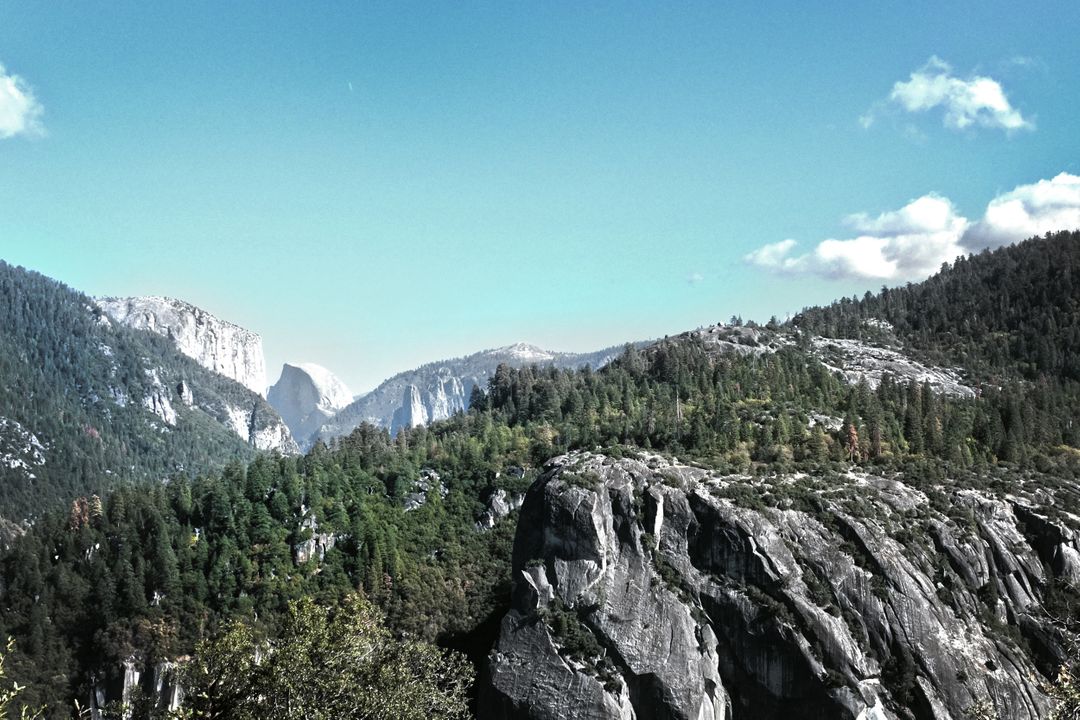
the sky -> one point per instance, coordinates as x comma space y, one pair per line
371, 186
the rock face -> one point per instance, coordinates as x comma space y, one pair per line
306, 396
133, 681
648, 589
438, 390
414, 413
259, 426
158, 400
427, 481
854, 360
857, 360
499, 505
217, 345
316, 543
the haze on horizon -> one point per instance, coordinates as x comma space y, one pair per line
372, 187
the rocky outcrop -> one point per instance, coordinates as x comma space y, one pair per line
233, 353
428, 481
499, 505
21, 452
857, 360
853, 360
259, 426
644, 588
412, 413
157, 399
436, 391
215, 344
306, 396
116, 692
315, 544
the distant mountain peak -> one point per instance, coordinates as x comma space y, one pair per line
526, 352
306, 395
437, 390
333, 391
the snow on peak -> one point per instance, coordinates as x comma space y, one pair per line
526, 352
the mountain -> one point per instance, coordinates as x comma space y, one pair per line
1013, 311
86, 401
844, 516
644, 587
307, 395
217, 345
437, 390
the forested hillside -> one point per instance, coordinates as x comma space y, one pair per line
1011, 310
99, 401
142, 574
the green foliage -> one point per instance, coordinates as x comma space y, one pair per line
77, 381
152, 571
9, 697
577, 642
340, 664
1065, 693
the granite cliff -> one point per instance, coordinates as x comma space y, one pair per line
216, 344
219, 346
307, 395
646, 588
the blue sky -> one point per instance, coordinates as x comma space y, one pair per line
372, 186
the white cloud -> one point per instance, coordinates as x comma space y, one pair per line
775, 256
910, 242
1026, 211
977, 100
694, 278
20, 112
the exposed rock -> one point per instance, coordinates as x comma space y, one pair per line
226, 349
184, 391
306, 396
854, 360
829, 422
217, 345
444, 388
739, 339
157, 398
167, 692
1058, 544
429, 480
499, 505
21, 452
857, 360
133, 680
316, 545
412, 412
642, 589
262, 430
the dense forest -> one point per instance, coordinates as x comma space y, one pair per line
149, 571
1010, 311
77, 382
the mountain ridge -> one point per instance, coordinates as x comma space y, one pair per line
436, 390
218, 345
107, 402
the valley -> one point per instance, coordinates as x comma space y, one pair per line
868, 511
